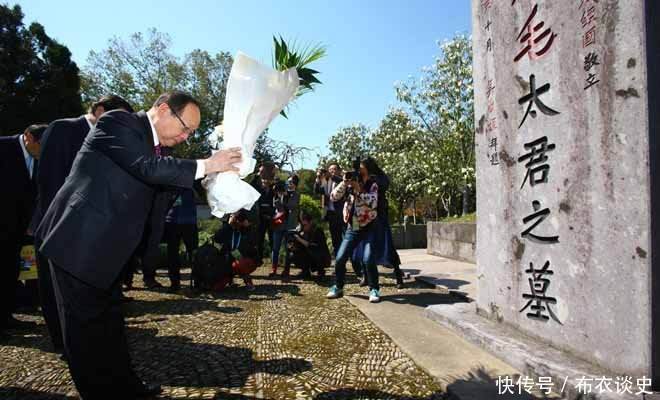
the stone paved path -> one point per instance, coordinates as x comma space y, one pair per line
280, 341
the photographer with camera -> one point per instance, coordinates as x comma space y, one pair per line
285, 202
360, 191
326, 182
308, 248
263, 182
238, 252
384, 252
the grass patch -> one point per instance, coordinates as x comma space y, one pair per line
472, 217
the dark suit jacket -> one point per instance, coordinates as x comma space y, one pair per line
19, 191
97, 218
59, 146
318, 188
149, 247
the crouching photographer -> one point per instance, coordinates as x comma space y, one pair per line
239, 252
308, 248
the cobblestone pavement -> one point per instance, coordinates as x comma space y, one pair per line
279, 341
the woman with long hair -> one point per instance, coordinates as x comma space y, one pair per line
360, 214
384, 251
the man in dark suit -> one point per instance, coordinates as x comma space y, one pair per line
180, 225
95, 223
18, 163
326, 181
147, 254
59, 147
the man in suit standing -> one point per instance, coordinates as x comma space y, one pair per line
325, 183
59, 147
95, 223
18, 161
180, 225
147, 254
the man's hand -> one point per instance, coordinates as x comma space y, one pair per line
223, 160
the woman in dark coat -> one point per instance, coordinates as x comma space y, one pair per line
385, 253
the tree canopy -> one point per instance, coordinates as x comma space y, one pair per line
39, 81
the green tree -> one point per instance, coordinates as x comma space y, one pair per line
348, 144
443, 104
400, 145
310, 206
143, 67
306, 181
39, 81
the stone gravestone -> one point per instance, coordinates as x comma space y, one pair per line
563, 179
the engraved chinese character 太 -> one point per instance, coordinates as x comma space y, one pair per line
533, 98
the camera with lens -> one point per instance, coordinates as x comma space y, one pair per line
291, 242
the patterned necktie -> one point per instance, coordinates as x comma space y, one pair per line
157, 150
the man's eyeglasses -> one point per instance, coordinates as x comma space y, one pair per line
186, 129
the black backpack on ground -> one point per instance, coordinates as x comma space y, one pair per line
209, 266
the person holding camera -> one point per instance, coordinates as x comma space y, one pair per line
263, 182
285, 202
384, 251
326, 182
360, 191
308, 248
238, 251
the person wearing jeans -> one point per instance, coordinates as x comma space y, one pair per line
360, 213
286, 204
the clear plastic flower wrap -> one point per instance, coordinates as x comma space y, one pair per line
255, 96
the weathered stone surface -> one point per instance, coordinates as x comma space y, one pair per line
524, 353
452, 240
409, 236
597, 184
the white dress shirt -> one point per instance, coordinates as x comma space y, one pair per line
89, 121
29, 160
200, 172
329, 185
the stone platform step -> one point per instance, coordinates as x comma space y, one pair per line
525, 354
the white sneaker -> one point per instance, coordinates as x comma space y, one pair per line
335, 293
374, 296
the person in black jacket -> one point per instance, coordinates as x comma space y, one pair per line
96, 221
18, 161
308, 248
325, 183
263, 183
239, 250
180, 225
59, 146
147, 254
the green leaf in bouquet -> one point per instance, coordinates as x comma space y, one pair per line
287, 56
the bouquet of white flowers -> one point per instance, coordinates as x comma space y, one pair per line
256, 94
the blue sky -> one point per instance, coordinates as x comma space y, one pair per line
371, 44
